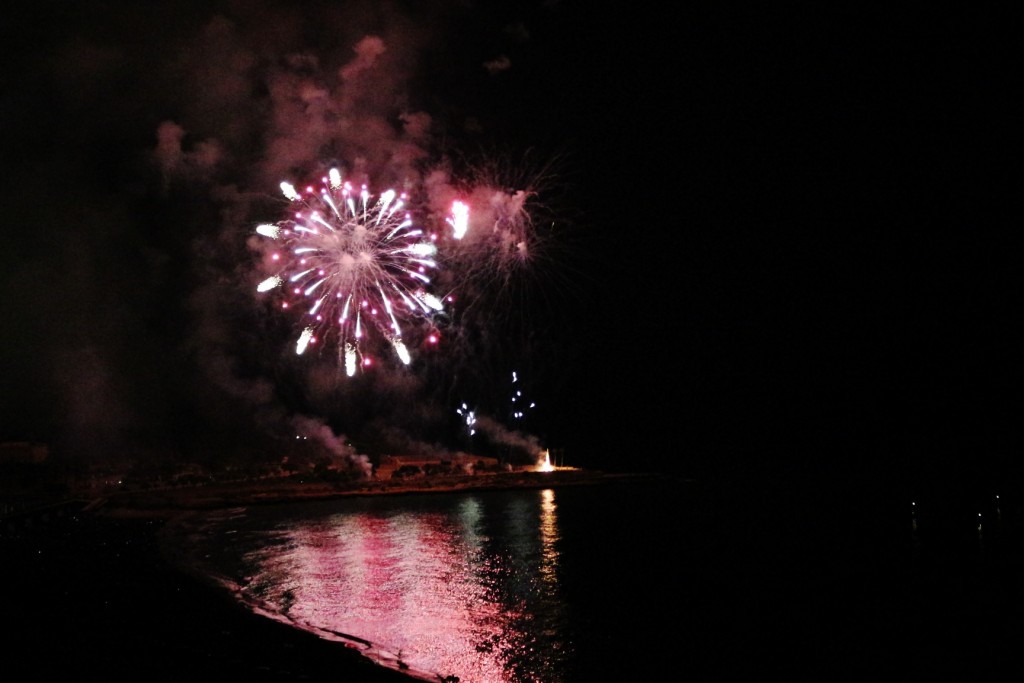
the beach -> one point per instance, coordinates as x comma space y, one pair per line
90, 595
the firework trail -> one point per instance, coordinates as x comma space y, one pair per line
348, 262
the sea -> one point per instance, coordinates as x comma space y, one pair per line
650, 579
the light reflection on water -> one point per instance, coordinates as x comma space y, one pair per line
642, 582
459, 588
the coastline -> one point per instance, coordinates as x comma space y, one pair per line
93, 594
166, 501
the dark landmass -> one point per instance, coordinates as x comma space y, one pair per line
89, 596
268, 491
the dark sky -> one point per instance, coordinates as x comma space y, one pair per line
770, 241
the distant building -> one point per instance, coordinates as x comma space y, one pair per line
413, 465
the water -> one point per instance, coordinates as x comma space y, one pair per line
637, 581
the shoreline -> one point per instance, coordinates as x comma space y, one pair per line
93, 592
167, 501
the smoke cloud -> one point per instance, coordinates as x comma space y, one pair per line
335, 444
177, 126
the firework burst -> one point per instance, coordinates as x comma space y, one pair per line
348, 262
508, 254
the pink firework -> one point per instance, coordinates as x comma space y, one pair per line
348, 262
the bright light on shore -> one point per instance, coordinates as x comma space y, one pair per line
544, 462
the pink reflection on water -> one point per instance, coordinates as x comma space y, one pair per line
418, 584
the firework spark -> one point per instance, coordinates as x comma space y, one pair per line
349, 261
504, 251
520, 405
459, 219
469, 416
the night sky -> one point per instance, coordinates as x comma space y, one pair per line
771, 241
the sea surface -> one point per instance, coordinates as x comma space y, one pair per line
636, 580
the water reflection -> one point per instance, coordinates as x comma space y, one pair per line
969, 524
549, 538
469, 589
